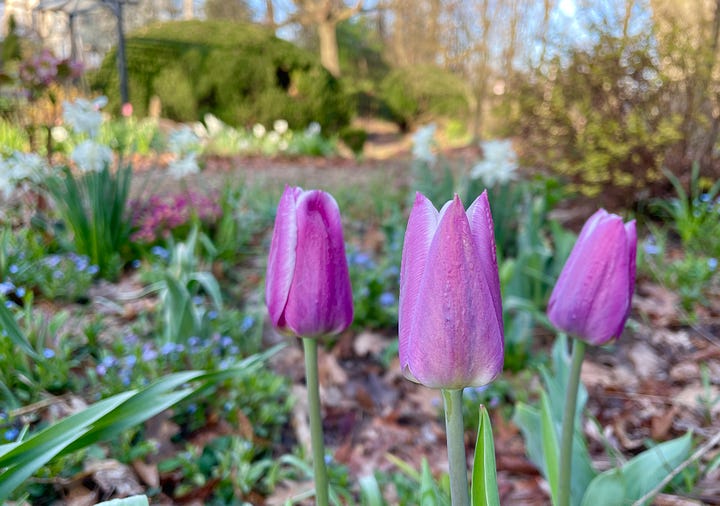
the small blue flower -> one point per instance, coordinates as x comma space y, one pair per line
101, 370
11, 434
212, 314
247, 323
226, 341
712, 263
387, 299
651, 248
131, 339
6, 287
194, 341
148, 353
361, 259
130, 361
48, 353
58, 274
52, 260
192, 408
93, 269
20, 291
197, 300
109, 361
13, 269
328, 459
160, 252
135, 264
705, 197
167, 348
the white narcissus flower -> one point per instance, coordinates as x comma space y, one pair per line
499, 165
280, 126
84, 116
183, 141
258, 130
423, 142
313, 129
184, 166
213, 124
91, 156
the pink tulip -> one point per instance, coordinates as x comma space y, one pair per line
450, 315
591, 299
308, 286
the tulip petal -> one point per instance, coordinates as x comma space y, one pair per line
483, 230
590, 298
320, 298
455, 340
281, 259
418, 236
631, 234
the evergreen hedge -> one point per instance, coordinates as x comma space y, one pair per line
239, 72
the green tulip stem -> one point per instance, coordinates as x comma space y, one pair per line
459, 492
568, 424
316, 431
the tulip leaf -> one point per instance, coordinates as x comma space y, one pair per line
638, 476
530, 421
370, 491
484, 475
550, 445
10, 327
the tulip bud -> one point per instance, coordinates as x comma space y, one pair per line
591, 299
450, 314
308, 286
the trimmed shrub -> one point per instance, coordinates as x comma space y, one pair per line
239, 72
422, 93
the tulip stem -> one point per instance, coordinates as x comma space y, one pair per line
568, 424
455, 429
316, 431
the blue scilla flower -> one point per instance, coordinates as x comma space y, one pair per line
712, 263
48, 353
93, 269
20, 291
167, 348
194, 341
651, 248
135, 264
148, 353
109, 361
160, 252
360, 258
11, 434
58, 274
247, 323
197, 300
52, 260
6, 287
387, 299
13, 269
212, 314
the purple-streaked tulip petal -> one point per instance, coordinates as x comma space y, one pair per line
483, 230
591, 299
631, 234
281, 260
320, 299
418, 237
455, 339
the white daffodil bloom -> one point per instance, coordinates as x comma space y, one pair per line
183, 166
423, 143
84, 116
91, 156
499, 164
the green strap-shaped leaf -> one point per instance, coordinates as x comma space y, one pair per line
639, 475
484, 475
549, 445
11, 328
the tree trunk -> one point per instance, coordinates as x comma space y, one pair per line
187, 9
329, 57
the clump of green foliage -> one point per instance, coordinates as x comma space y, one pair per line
422, 93
239, 72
